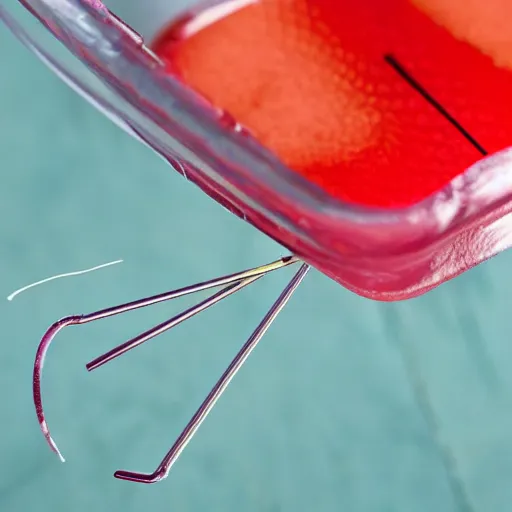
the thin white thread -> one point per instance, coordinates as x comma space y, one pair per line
68, 274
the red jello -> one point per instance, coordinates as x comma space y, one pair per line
379, 103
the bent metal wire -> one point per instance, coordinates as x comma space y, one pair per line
231, 284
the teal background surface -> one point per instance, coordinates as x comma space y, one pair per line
347, 404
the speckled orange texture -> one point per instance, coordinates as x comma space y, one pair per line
309, 80
484, 24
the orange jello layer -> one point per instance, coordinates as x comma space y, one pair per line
310, 80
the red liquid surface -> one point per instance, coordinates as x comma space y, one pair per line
309, 79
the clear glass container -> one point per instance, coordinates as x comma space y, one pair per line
383, 254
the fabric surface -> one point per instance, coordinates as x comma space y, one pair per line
347, 404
